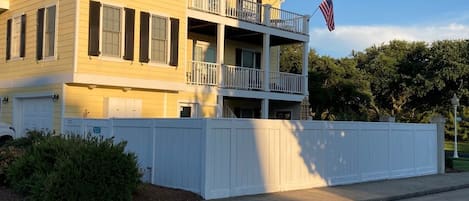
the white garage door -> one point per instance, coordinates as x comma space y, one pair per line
35, 114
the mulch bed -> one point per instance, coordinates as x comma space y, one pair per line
145, 192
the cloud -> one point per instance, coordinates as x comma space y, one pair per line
344, 39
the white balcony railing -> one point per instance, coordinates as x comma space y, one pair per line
287, 20
202, 73
211, 6
244, 10
286, 82
251, 11
242, 78
236, 77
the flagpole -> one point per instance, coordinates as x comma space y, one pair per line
317, 8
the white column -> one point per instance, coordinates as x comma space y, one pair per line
220, 52
266, 61
305, 68
219, 106
265, 108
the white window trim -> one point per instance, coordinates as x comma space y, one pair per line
194, 108
53, 57
15, 58
168, 39
122, 29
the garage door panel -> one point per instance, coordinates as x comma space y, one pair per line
36, 114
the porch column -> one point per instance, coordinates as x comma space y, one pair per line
265, 108
220, 52
305, 68
266, 61
219, 106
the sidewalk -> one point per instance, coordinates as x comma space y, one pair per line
379, 190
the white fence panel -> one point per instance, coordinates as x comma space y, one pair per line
229, 157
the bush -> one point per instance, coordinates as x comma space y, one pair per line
14, 149
75, 168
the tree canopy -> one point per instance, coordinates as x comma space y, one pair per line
410, 81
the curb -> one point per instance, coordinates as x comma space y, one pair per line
420, 193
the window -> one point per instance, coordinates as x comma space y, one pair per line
15, 37
159, 39
111, 31
46, 32
248, 58
188, 110
16, 30
49, 32
108, 27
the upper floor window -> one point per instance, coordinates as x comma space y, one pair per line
159, 39
111, 31
46, 22
16, 31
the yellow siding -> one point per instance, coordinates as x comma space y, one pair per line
80, 101
29, 66
7, 109
135, 69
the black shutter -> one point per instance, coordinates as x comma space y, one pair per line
144, 37
129, 34
238, 56
40, 33
258, 60
23, 36
174, 48
8, 48
93, 32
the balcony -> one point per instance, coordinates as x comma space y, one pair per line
250, 11
4, 5
241, 78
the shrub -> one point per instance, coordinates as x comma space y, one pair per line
75, 168
14, 149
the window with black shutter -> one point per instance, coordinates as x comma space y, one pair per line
23, 36
39, 33
144, 37
174, 47
129, 34
8, 41
93, 32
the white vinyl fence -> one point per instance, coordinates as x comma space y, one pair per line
229, 157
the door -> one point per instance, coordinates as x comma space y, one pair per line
34, 114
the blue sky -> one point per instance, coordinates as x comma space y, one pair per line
360, 24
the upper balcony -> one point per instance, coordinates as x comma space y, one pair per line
253, 12
4, 5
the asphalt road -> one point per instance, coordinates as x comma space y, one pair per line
458, 195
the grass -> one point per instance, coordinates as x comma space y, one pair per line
461, 164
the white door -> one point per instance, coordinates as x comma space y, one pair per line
35, 114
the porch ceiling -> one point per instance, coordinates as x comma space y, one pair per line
236, 34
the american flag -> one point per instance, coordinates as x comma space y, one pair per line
327, 10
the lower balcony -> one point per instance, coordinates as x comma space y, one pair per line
242, 78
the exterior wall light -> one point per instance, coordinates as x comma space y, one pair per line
55, 97
5, 100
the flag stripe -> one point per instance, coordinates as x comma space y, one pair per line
327, 10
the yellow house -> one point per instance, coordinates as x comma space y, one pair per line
147, 59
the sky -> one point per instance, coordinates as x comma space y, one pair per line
362, 23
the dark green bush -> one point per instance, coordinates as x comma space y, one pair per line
14, 149
75, 168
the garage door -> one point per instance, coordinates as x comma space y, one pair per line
35, 114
